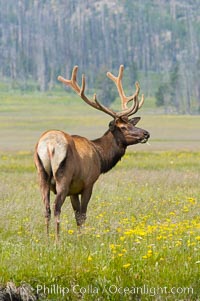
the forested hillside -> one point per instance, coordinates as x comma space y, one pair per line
158, 41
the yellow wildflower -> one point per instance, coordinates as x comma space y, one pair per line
127, 265
185, 209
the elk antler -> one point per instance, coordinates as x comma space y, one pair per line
124, 99
80, 91
96, 104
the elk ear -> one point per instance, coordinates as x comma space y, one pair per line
135, 120
112, 125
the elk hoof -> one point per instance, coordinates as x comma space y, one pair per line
80, 218
83, 218
48, 215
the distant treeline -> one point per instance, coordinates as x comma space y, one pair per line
158, 41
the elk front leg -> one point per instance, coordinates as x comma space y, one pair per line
85, 197
77, 208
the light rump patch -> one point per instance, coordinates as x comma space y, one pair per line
52, 150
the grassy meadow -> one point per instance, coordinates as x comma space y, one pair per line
142, 236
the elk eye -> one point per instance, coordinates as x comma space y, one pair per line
123, 128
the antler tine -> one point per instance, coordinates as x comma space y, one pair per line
75, 86
118, 82
141, 101
138, 104
133, 109
104, 109
71, 82
94, 103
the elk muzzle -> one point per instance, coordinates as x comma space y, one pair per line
145, 138
137, 135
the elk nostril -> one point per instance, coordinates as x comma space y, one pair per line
146, 134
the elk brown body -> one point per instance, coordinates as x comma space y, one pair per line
69, 165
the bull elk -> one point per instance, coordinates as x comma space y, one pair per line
69, 165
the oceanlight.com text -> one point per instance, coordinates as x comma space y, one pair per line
113, 289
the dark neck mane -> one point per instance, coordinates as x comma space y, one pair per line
110, 150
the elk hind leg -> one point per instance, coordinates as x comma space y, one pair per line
60, 198
45, 190
44, 179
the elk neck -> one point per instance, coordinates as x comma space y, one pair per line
109, 149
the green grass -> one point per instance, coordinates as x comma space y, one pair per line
142, 236
142, 230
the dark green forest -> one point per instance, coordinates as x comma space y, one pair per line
158, 41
